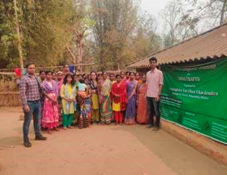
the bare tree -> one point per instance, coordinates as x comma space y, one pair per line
79, 30
178, 23
212, 12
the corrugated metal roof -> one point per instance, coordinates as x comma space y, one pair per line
211, 44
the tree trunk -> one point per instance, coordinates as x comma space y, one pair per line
18, 36
101, 59
223, 12
80, 50
72, 55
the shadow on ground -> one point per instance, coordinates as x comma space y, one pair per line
10, 141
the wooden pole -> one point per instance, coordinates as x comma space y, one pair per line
18, 36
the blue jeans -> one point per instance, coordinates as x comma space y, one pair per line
35, 113
153, 111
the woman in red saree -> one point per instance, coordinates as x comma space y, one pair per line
119, 98
142, 113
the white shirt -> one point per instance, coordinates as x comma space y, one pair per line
154, 80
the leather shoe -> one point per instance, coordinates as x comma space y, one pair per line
27, 144
40, 137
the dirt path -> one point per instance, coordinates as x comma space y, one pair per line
100, 150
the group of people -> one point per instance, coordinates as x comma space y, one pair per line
64, 99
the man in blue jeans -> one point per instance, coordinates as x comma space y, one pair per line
30, 92
154, 88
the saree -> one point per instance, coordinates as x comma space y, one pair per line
50, 114
94, 101
85, 109
131, 106
94, 95
142, 113
59, 84
123, 93
105, 102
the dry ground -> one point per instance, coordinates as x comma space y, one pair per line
99, 150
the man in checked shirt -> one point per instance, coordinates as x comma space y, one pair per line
30, 96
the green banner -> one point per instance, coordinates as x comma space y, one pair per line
195, 97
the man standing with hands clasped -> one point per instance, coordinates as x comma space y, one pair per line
30, 91
154, 89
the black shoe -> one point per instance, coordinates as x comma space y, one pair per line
150, 126
40, 137
27, 144
155, 129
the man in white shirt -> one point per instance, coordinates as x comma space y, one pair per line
154, 88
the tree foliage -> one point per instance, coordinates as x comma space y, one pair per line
121, 34
112, 33
43, 25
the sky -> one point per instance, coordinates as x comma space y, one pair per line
154, 7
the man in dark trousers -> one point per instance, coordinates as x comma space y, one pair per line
30, 91
154, 89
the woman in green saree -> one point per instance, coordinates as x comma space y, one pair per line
105, 100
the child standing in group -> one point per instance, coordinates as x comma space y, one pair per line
83, 98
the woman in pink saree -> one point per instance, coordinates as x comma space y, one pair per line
50, 116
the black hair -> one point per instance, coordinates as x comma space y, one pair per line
117, 75
47, 72
130, 73
29, 64
81, 81
65, 65
153, 59
95, 75
65, 79
93, 72
42, 71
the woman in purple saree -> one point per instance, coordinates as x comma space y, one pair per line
131, 106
